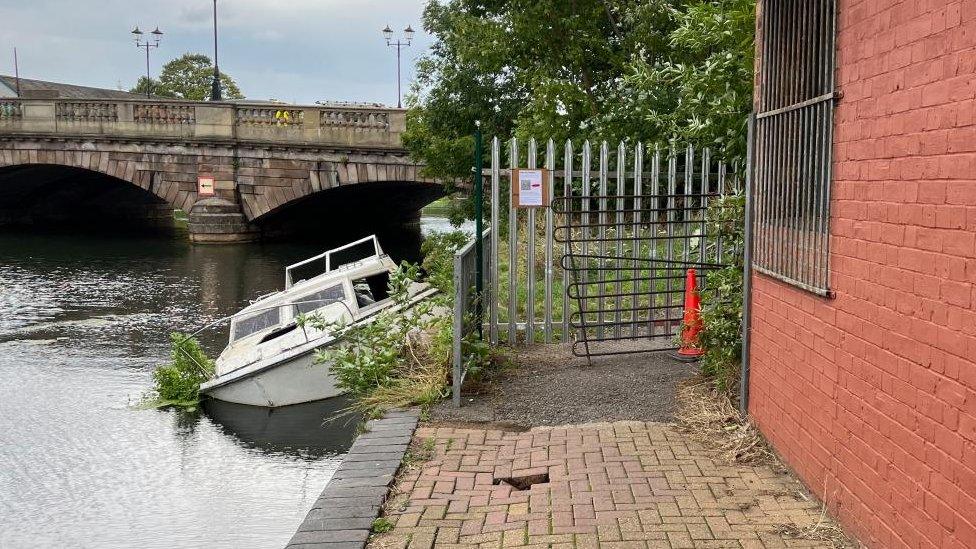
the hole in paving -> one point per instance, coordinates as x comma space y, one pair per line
523, 483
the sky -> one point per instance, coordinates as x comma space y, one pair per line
298, 51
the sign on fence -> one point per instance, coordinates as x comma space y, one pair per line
532, 190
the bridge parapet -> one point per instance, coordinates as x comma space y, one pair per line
271, 123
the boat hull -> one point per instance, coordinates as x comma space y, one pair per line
292, 381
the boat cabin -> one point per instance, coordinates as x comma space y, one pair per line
346, 283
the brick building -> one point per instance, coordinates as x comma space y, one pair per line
863, 304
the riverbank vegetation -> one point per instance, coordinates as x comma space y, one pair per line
721, 336
178, 382
404, 357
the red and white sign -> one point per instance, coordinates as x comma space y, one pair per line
205, 186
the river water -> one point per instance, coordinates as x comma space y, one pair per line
83, 320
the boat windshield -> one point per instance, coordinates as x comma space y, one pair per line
322, 298
246, 326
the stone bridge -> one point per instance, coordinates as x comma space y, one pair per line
275, 169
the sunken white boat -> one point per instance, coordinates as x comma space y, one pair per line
269, 359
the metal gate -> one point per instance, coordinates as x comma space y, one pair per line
606, 262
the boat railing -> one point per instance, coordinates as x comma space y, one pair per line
327, 256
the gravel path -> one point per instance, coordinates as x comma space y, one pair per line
552, 387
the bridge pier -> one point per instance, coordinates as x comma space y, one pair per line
219, 221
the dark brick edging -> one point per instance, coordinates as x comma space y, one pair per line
343, 515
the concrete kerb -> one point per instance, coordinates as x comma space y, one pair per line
342, 517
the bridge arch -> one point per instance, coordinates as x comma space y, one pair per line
351, 209
104, 162
51, 194
294, 186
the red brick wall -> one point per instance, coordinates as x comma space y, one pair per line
871, 395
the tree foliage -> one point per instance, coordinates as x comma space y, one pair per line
610, 69
188, 77
721, 336
152, 86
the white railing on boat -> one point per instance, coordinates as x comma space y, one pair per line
377, 252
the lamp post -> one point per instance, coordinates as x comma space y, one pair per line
151, 42
398, 44
215, 93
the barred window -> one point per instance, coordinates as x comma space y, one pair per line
793, 136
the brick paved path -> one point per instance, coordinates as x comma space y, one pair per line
625, 484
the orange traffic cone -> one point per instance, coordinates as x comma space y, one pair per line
691, 350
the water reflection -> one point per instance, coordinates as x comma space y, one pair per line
312, 429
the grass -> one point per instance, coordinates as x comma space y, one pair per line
419, 452
824, 530
710, 417
442, 207
382, 525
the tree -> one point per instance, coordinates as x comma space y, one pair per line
190, 77
153, 87
600, 69
702, 91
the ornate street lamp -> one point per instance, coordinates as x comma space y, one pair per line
398, 44
150, 42
215, 93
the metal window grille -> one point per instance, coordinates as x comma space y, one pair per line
792, 166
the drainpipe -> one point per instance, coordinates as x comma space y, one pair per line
747, 273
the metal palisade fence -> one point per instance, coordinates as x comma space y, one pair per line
607, 260
467, 307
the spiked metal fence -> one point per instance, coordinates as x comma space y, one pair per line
606, 262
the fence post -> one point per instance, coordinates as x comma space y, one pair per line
747, 276
459, 294
479, 198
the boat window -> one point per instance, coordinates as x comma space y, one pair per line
372, 289
255, 323
352, 254
279, 332
319, 299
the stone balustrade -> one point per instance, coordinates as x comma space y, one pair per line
270, 116
318, 125
10, 109
355, 119
163, 114
86, 111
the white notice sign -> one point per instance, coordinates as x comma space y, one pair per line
530, 188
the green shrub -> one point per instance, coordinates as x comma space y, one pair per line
721, 336
438, 250
178, 383
369, 354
